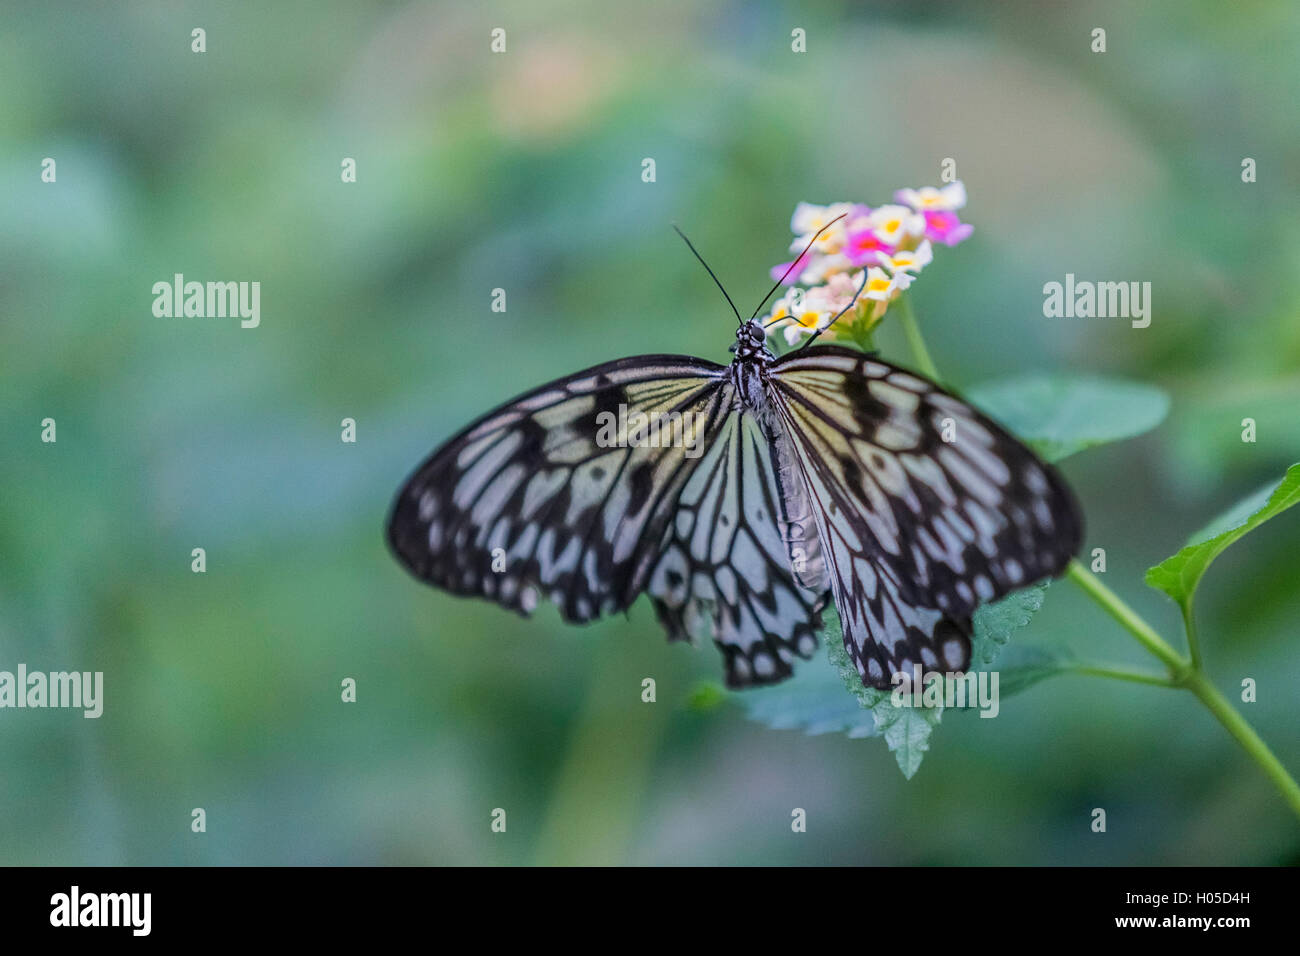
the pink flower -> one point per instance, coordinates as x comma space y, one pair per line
943, 226
862, 246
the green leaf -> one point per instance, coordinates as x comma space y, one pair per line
995, 623
1023, 666
907, 732
1179, 575
1060, 415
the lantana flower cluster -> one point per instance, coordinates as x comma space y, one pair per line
890, 243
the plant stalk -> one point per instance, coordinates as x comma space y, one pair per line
1236, 725
1122, 673
915, 341
1189, 625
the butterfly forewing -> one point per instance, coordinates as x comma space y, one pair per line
925, 507
535, 500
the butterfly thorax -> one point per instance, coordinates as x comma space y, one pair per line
751, 361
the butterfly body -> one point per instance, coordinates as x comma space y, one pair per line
821, 475
748, 370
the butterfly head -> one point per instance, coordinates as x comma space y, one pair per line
751, 343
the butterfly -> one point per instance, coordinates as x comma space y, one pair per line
742, 499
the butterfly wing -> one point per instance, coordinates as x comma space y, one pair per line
925, 507
725, 571
531, 500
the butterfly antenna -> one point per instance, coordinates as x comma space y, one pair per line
813, 338
795, 263
710, 272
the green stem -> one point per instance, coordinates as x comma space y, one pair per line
1228, 715
1122, 673
915, 342
1183, 671
1189, 625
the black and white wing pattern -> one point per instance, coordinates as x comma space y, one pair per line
925, 508
725, 570
534, 500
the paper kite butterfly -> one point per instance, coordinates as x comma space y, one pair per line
769, 486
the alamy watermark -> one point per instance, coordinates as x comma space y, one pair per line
208, 300
631, 428
977, 689
129, 910
83, 690
1102, 300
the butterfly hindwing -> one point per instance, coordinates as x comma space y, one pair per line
925, 507
725, 572
534, 500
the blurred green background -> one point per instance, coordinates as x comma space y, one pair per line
523, 171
